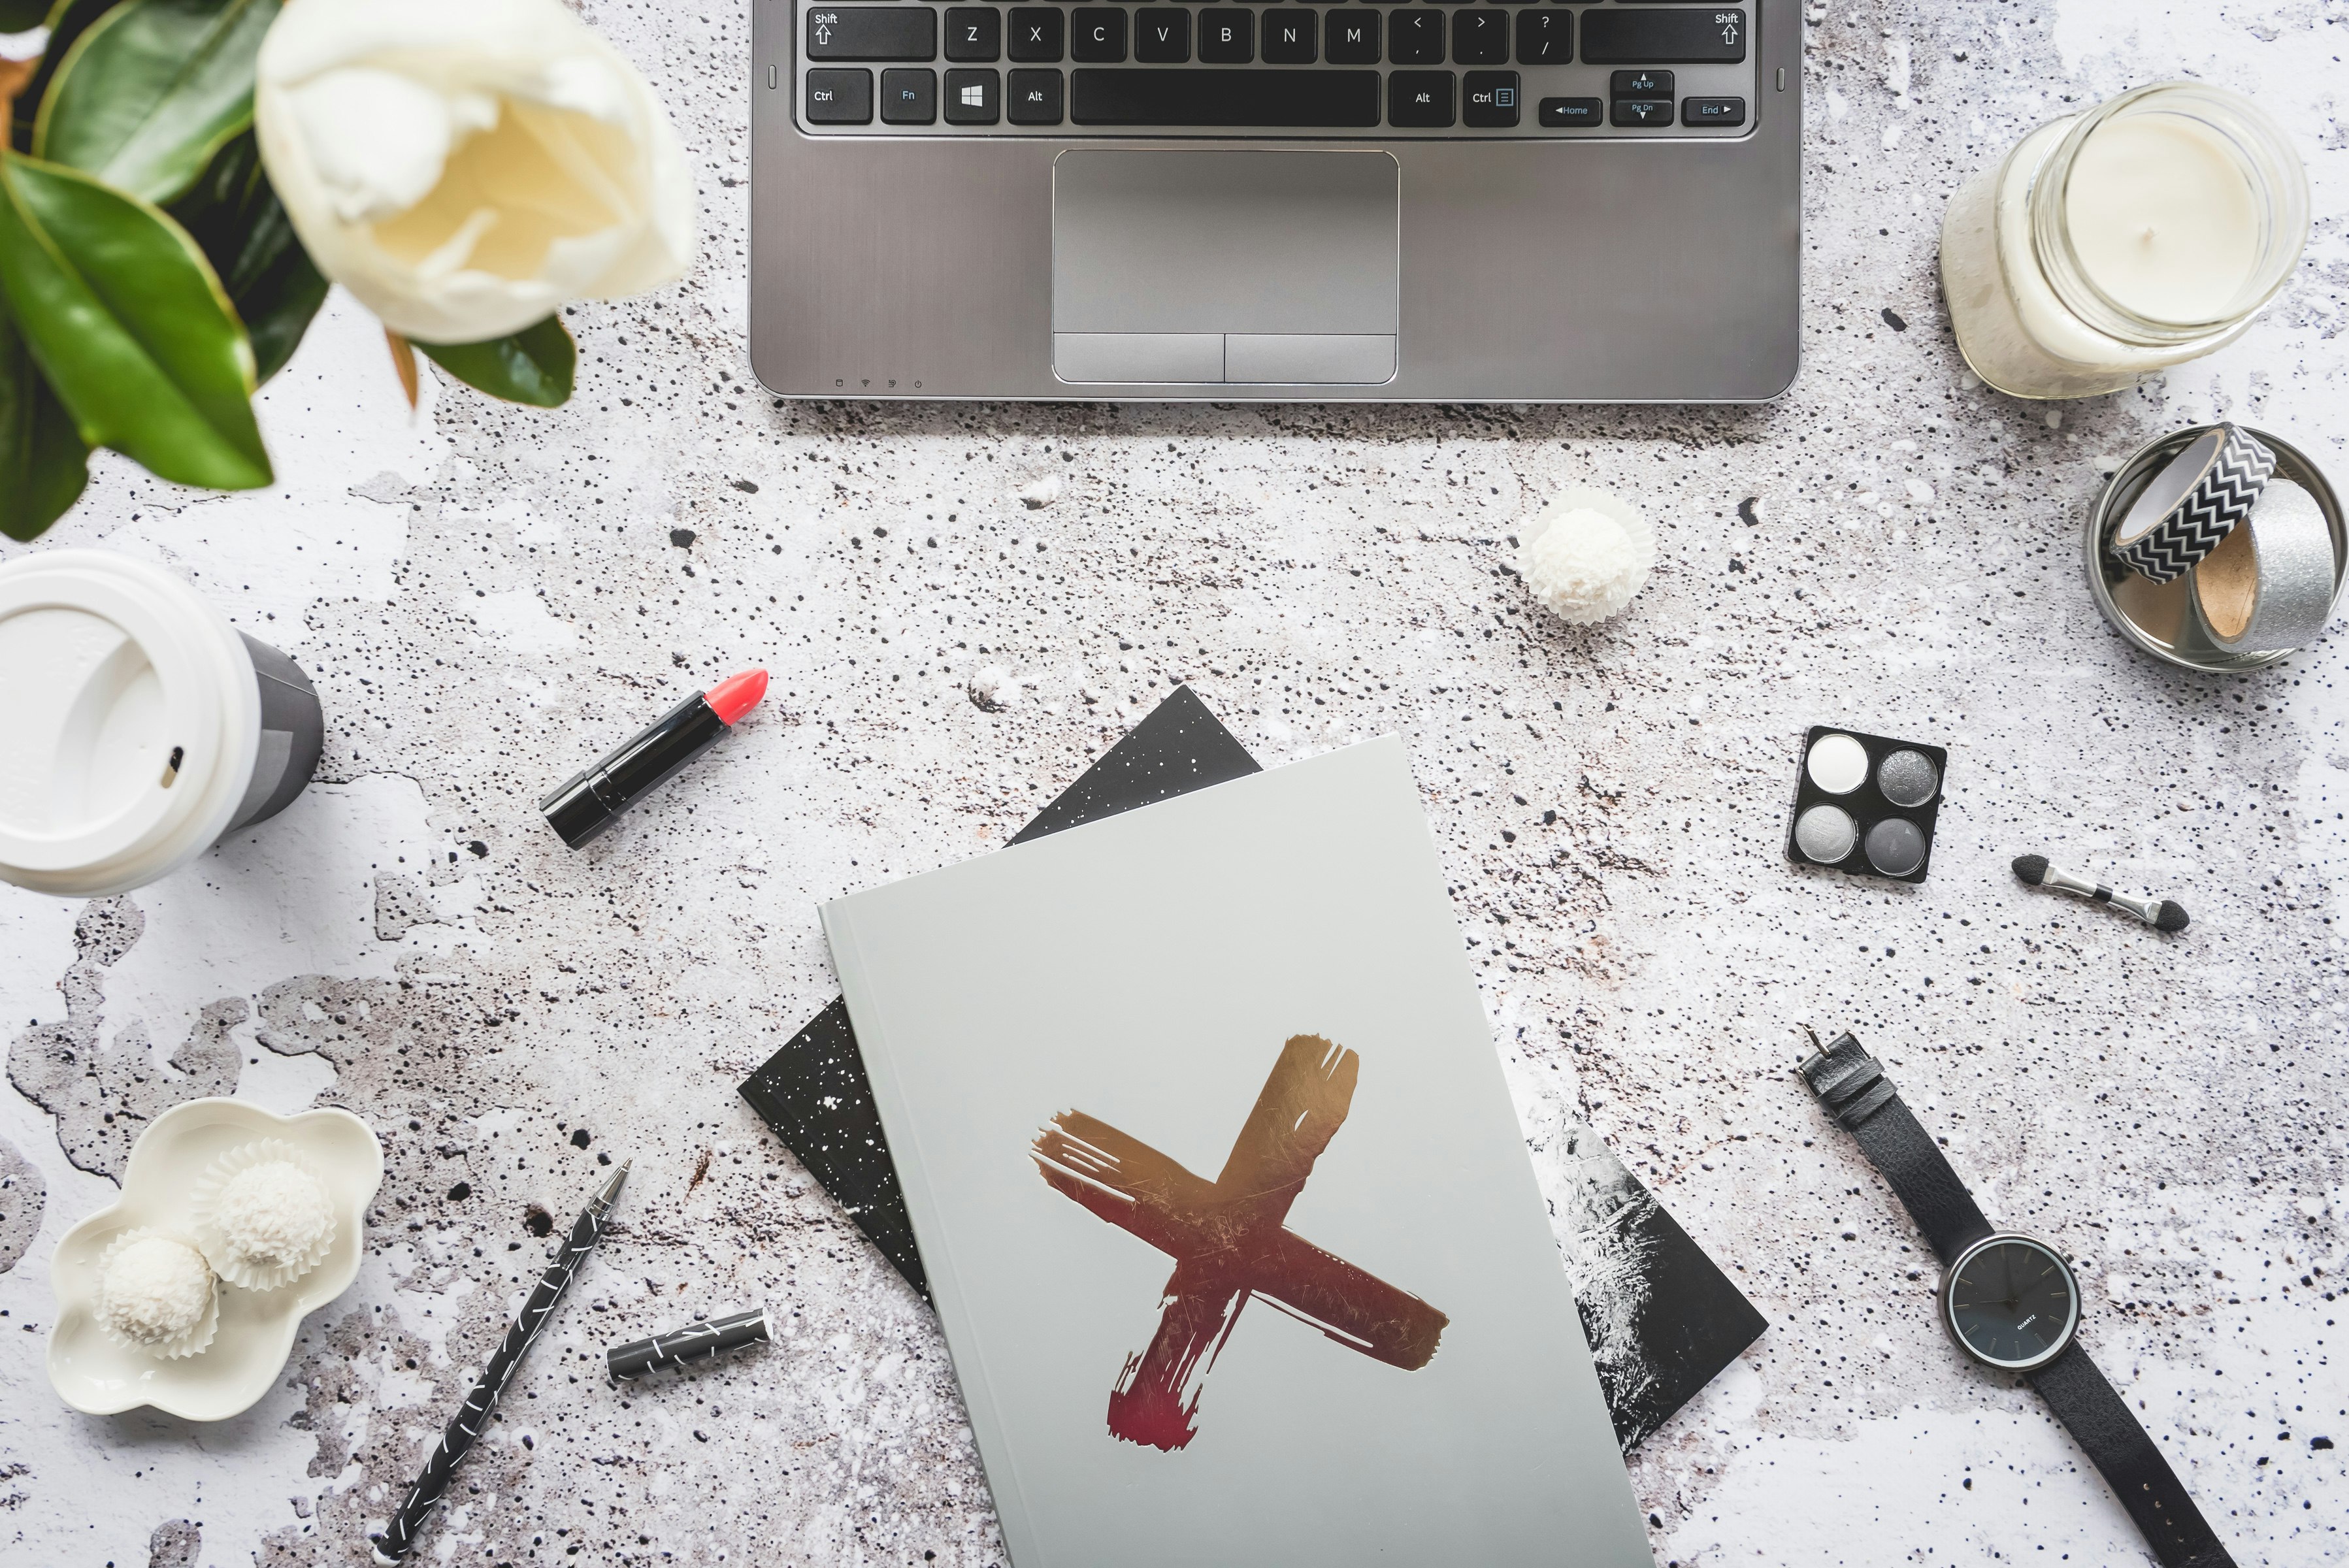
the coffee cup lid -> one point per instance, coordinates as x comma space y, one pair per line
129, 722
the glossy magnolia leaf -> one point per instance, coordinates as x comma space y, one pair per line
147, 96
534, 366
235, 216
42, 462
68, 20
129, 325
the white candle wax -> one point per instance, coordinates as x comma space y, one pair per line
2168, 220
2162, 219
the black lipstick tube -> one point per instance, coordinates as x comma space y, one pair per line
593, 801
705, 1339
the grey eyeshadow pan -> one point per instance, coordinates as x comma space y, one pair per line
1825, 833
1895, 846
1908, 779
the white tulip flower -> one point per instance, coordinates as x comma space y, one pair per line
468, 167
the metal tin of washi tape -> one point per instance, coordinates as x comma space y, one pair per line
2190, 506
2160, 618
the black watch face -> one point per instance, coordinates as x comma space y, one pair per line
2012, 1302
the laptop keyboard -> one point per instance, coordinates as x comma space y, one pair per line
1451, 69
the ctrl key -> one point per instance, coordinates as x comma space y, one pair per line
840, 97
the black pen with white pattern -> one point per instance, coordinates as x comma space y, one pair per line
457, 1441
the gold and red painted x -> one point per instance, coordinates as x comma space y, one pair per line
1229, 1240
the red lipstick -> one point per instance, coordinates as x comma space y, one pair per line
594, 800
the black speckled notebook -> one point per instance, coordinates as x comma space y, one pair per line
1660, 1317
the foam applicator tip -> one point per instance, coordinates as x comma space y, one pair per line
2172, 916
2031, 869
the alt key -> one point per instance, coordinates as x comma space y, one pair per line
1572, 114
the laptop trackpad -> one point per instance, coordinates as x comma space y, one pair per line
1182, 265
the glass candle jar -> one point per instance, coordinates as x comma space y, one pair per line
2149, 231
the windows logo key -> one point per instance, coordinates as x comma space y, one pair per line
974, 96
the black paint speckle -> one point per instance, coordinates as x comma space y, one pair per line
537, 1221
460, 1191
579, 1138
681, 537
1894, 322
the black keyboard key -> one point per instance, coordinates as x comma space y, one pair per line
1545, 38
909, 96
873, 33
1162, 35
1035, 31
1712, 111
1033, 98
1353, 38
1289, 36
1097, 33
1639, 84
839, 97
1488, 99
1649, 37
1419, 100
1266, 97
1226, 35
1415, 38
1480, 37
974, 32
1643, 111
1572, 114
974, 98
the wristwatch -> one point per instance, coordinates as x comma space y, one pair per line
2013, 1303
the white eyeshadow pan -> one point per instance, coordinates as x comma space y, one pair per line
1825, 833
1837, 764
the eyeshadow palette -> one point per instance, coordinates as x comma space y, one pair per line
1866, 805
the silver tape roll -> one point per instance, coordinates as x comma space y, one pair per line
2194, 502
2269, 585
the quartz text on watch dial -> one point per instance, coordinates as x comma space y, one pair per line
2012, 1302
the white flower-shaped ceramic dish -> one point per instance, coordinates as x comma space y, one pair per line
98, 1374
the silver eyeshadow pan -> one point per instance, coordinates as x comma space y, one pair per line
1908, 779
1866, 805
1826, 834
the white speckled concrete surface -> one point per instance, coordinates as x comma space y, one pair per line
487, 597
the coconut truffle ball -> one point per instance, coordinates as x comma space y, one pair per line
270, 1224
156, 1292
1586, 555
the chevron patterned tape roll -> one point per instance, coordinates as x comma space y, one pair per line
2195, 502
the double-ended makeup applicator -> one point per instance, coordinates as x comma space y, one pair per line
2162, 913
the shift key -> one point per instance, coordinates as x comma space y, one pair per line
873, 33
1713, 35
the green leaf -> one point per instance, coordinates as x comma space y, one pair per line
68, 20
129, 324
233, 213
42, 462
534, 366
145, 96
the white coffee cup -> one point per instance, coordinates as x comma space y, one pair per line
137, 725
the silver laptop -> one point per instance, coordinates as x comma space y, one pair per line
1473, 201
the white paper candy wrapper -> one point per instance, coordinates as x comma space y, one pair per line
1586, 555
157, 1294
264, 1215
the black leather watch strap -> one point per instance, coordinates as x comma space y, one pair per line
2104, 1426
1851, 1085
